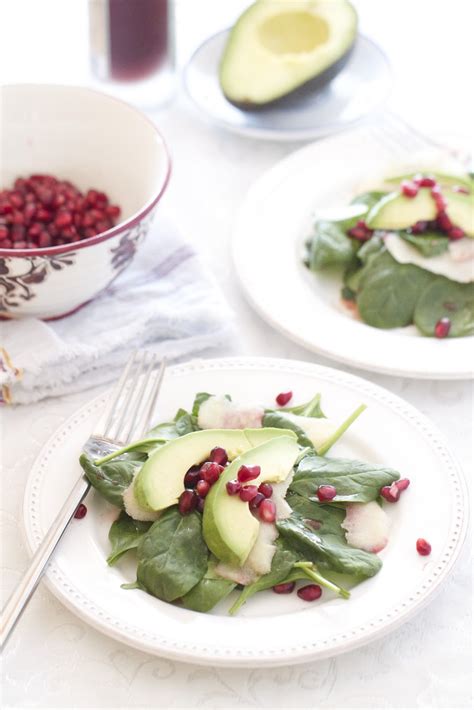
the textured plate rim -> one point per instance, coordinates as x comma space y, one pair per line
279, 135
93, 615
259, 185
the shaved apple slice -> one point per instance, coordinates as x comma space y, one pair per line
367, 526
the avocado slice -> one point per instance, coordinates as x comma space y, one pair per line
159, 483
278, 48
230, 530
396, 211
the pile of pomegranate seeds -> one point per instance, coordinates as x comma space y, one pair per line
199, 480
442, 328
81, 511
283, 398
392, 493
326, 493
258, 497
410, 188
42, 211
423, 547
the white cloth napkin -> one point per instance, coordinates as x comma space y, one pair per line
165, 301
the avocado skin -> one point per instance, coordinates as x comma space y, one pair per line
312, 86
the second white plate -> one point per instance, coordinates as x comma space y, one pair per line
267, 247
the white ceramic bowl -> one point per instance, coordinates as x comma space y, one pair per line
95, 141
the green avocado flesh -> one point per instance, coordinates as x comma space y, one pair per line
229, 528
396, 211
159, 483
278, 46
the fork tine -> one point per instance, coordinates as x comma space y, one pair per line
129, 397
152, 397
139, 398
114, 399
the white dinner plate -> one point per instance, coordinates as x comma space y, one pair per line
361, 87
270, 629
268, 239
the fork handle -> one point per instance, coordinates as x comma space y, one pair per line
22, 594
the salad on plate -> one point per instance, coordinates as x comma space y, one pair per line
406, 253
243, 498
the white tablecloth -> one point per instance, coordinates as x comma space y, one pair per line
56, 660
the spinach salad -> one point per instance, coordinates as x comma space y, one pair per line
406, 254
228, 498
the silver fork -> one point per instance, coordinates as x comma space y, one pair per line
127, 417
398, 136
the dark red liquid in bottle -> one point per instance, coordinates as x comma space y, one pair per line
139, 38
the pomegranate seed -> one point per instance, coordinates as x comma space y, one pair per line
267, 511
202, 488
444, 222
113, 211
461, 188
402, 484
219, 455
200, 505
192, 477
18, 218
18, 233
419, 227
423, 547
456, 233
233, 487
255, 502
91, 196
359, 233
285, 588
266, 489
44, 240
6, 208
310, 593
35, 230
246, 493
211, 471
442, 328
81, 511
390, 493
283, 398
425, 181
64, 219
325, 493
248, 473
20, 245
7, 244
3, 233
16, 200
409, 189
315, 524
187, 502
102, 225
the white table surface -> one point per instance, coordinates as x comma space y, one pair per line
54, 659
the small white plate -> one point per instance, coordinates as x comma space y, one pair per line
270, 629
268, 239
361, 87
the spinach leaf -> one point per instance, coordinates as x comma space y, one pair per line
369, 199
209, 591
185, 423
125, 534
389, 292
199, 399
327, 550
354, 481
172, 555
110, 479
444, 298
278, 420
318, 516
282, 564
308, 409
428, 244
330, 246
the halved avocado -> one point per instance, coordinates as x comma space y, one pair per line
229, 528
396, 211
159, 483
280, 47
